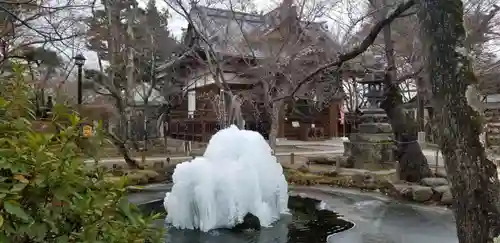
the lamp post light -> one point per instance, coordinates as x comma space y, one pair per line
79, 61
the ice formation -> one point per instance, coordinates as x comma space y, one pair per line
236, 175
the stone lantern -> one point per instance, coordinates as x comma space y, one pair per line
371, 146
372, 84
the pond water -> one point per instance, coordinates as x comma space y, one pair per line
308, 223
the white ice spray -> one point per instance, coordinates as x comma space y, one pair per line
237, 175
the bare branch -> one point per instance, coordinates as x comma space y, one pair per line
375, 30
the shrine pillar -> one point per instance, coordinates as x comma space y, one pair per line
282, 121
333, 118
191, 102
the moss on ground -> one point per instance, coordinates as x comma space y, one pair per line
135, 177
302, 177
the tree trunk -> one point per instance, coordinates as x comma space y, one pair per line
130, 70
221, 106
113, 22
235, 116
145, 126
275, 123
474, 180
165, 136
412, 162
421, 98
122, 148
130, 56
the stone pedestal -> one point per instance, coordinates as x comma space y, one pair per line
372, 146
421, 139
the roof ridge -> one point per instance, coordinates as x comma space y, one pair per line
261, 16
226, 10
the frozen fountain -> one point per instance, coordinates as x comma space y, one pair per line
236, 177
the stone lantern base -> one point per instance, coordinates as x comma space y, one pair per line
371, 147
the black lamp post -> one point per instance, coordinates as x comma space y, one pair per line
79, 61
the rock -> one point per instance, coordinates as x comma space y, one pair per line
441, 174
136, 179
370, 182
403, 191
362, 180
328, 160
441, 189
141, 176
250, 221
303, 169
330, 173
117, 172
350, 172
169, 172
358, 180
445, 192
113, 179
375, 128
447, 198
434, 181
421, 193
150, 174
386, 187
321, 160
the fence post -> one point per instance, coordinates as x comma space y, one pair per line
421, 139
437, 161
398, 169
143, 156
292, 158
190, 147
203, 130
337, 165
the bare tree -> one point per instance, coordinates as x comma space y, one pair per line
212, 62
40, 34
412, 162
354, 94
28, 24
282, 78
272, 66
115, 33
474, 179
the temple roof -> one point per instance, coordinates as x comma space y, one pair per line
240, 34
233, 33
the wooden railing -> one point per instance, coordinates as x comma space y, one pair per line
315, 133
191, 129
197, 114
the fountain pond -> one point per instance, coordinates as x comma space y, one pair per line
237, 192
307, 223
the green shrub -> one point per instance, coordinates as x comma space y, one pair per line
47, 194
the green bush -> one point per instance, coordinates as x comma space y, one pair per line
47, 194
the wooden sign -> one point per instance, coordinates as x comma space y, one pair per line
87, 131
